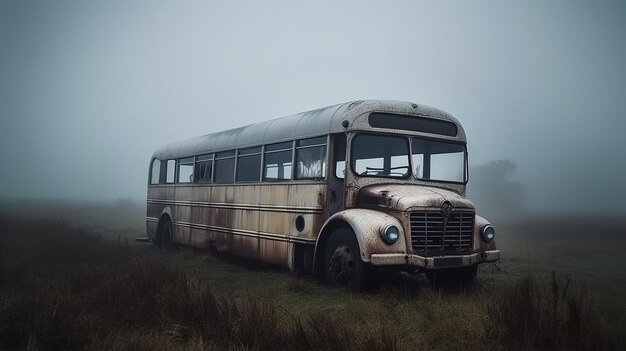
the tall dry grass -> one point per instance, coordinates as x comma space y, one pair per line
62, 288
554, 315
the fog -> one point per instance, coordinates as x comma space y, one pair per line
88, 90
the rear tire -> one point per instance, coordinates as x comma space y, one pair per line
165, 236
342, 265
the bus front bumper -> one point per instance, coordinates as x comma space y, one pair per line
398, 259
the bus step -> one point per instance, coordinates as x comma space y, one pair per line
143, 239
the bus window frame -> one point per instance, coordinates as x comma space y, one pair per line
239, 156
175, 171
406, 138
333, 172
179, 163
150, 176
200, 158
235, 155
215, 159
409, 139
263, 165
465, 160
324, 172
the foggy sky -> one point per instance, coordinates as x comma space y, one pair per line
88, 90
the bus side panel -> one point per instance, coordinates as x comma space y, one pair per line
275, 221
310, 196
289, 202
221, 218
155, 210
152, 212
245, 222
200, 215
182, 231
256, 221
275, 252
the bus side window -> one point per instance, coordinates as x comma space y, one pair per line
277, 165
203, 170
311, 158
249, 164
155, 174
171, 171
339, 153
224, 167
185, 170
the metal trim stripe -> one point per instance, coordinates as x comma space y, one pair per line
243, 232
270, 208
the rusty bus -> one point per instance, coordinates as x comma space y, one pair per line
335, 191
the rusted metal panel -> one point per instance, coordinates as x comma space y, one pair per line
434, 262
275, 252
308, 198
254, 220
200, 238
479, 244
367, 224
403, 197
401, 200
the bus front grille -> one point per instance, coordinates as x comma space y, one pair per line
427, 232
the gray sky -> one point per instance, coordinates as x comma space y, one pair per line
88, 90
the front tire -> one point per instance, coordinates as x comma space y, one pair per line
343, 265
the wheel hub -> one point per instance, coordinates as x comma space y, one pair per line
342, 265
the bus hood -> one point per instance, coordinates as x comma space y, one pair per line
405, 197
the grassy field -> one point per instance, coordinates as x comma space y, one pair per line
82, 283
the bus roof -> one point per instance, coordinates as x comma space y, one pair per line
312, 123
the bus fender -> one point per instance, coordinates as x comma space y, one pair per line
167, 211
480, 244
367, 226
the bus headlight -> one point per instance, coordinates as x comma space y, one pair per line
390, 233
488, 233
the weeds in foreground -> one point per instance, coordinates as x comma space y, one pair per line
558, 315
63, 288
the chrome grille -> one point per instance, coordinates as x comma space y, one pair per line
427, 232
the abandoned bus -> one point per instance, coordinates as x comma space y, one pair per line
334, 191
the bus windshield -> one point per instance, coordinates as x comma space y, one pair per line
380, 156
388, 156
438, 160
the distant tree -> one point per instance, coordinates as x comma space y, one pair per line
492, 190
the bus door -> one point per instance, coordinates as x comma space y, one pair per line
337, 180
